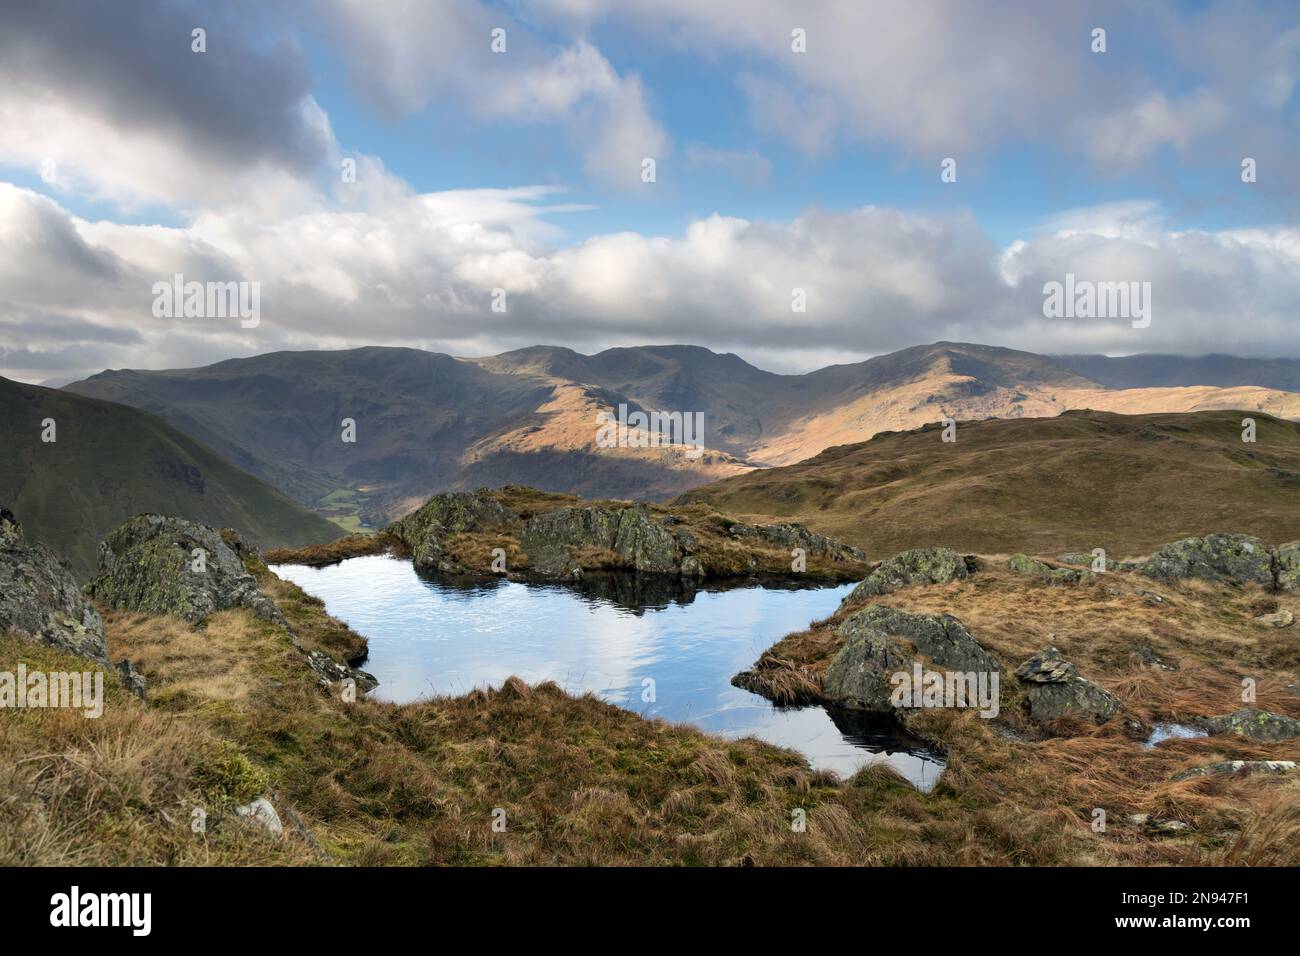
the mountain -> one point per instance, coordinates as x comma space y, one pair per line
1151, 371
424, 422
108, 462
1082, 480
427, 422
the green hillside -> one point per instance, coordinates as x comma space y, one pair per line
1085, 479
111, 461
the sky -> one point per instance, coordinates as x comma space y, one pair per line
471, 177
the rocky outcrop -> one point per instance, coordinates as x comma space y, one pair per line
881, 642
917, 566
159, 565
553, 540
170, 566
791, 536
1221, 558
1023, 564
1255, 724
40, 600
1237, 766
424, 531
1054, 689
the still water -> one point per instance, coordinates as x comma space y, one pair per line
667, 655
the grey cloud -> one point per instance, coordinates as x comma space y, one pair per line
131, 63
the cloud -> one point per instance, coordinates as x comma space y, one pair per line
421, 270
111, 99
442, 52
953, 77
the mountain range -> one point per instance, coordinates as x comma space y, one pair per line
426, 422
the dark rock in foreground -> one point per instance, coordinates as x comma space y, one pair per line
1054, 689
881, 641
40, 600
170, 566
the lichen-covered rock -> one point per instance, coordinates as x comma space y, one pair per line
1255, 724
553, 539
1023, 564
159, 565
1222, 558
1286, 566
454, 512
790, 536
917, 566
881, 641
1054, 689
1237, 766
40, 600
1276, 619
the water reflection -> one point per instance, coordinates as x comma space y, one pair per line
652, 645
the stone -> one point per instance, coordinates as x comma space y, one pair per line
789, 536
454, 512
881, 641
261, 813
1023, 564
1237, 766
641, 543
917, 566
1286, 566
40, 600
1055, 689
131, 678
1255, 724
147, 564
1221, 558
1278, 619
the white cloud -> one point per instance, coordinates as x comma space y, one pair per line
403, 63
420, 270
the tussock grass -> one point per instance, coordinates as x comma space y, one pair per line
232, 711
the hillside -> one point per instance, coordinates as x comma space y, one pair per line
428, 422
110, 462
424, 422
1083, 480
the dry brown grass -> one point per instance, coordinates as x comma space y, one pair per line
120, 789
319, 555
233, 710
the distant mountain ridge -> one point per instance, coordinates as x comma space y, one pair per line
428, 422
108, 462
1155, 371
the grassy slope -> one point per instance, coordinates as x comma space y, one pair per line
233, 712
111, 462
1079, 481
